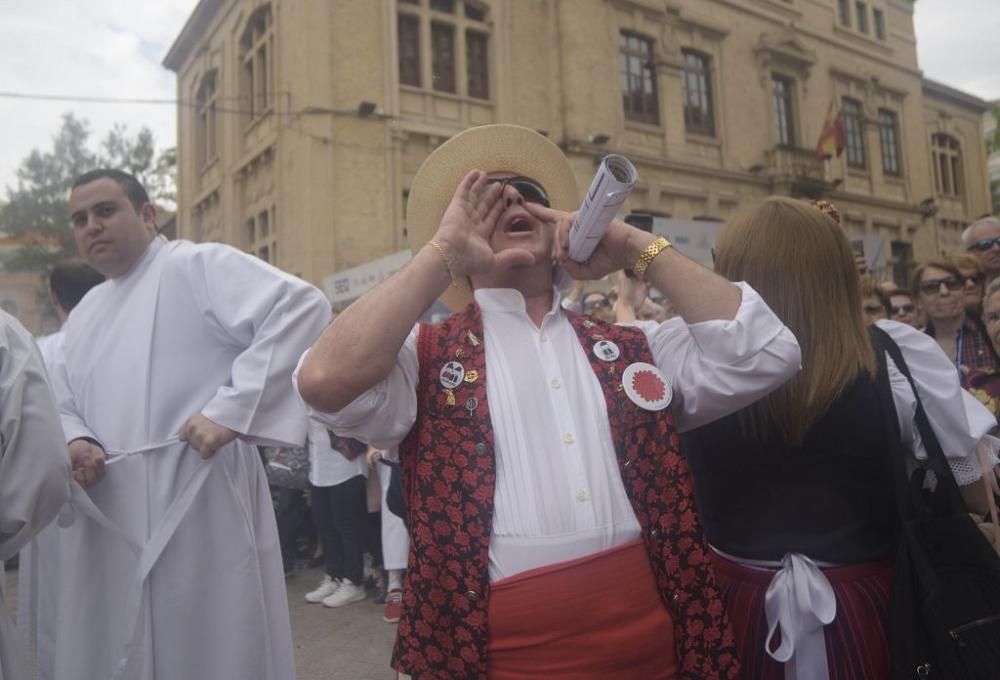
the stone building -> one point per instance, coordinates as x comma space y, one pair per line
303, 121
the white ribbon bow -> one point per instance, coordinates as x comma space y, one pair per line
800, 601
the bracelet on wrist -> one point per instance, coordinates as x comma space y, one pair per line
447, 261
648, 255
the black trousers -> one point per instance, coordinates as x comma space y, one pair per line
339, 513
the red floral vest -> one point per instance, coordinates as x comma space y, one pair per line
449, 476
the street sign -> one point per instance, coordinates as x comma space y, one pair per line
352, 283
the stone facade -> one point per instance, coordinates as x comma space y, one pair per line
306, 120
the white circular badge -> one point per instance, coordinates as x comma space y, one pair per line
452, 375
605, 350
647, 387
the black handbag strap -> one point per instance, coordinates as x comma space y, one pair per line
936, 460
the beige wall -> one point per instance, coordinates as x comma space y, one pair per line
336, 181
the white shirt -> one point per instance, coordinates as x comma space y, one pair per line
957, 418
327, 466
50, 346
559, 494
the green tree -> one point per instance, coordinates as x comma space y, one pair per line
36, 210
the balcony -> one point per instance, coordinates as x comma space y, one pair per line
796, 172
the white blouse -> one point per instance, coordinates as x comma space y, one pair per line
327, 467
957, 418
559, 494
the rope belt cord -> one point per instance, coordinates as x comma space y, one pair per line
147, 553
117, 455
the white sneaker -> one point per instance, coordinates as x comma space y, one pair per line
347, 593
327, 588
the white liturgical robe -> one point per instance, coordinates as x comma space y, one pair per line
34, 465
171, 568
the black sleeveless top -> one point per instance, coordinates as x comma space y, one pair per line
830, 499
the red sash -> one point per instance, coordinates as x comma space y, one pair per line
598, 616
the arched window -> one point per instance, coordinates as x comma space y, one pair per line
256, 55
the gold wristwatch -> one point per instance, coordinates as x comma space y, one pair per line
651, 251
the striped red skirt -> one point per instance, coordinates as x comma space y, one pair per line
599, 617
857, 646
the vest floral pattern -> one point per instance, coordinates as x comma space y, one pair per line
449, 477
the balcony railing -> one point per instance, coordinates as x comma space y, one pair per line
791, 164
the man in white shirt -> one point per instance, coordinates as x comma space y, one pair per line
34, 467
561, 465
338, 471
175, 368
37, 573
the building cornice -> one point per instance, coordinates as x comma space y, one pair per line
194, 29
933, 88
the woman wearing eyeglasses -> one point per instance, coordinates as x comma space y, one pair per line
795, 492
940, 289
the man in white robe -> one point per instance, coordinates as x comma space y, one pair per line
174, 369
37, 572
34, 467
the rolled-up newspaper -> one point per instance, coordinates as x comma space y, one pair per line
611, 186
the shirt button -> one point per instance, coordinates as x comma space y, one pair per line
581, 495
480, 448
472, 595
568, 438
544, 338
556, 384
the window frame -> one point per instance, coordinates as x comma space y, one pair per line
439, 56
697, 70
638, 106
856, 152
785, 124
879, 24
206, 119
844, 12
888, 135
256, 58
861, 16
946, 154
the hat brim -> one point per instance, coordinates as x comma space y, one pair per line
491, 148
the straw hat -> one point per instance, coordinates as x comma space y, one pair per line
491, 148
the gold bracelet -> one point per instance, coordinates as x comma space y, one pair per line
651, 251
447, 261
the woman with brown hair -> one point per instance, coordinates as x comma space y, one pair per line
940, 289
795, 492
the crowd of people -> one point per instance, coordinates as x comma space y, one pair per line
687, 474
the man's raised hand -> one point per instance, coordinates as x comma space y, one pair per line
468, 225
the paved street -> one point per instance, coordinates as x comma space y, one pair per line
352, 643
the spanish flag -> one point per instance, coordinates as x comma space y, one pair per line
832, 140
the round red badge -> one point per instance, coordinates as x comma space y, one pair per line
647, 387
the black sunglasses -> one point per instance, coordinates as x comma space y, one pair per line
952, 283
985, 244
978, 278
903, 309
530, 190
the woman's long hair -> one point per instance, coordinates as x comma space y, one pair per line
798, 259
